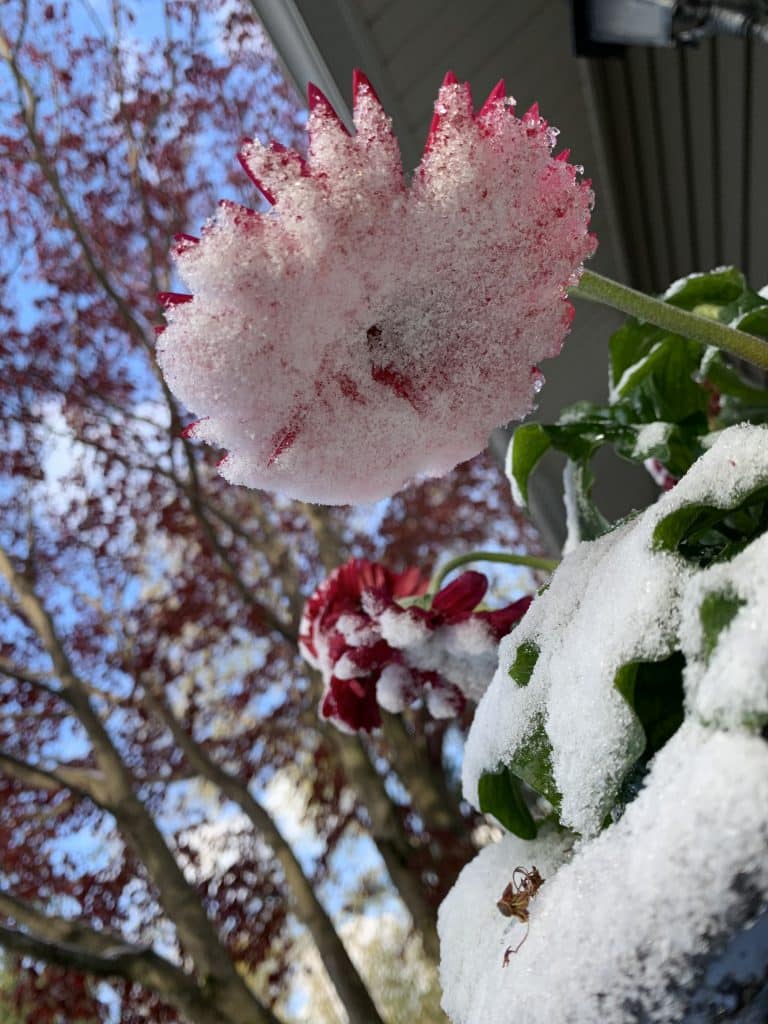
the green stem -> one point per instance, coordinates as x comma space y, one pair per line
601, 289
532, 561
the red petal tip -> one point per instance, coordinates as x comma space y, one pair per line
319, 101
237, 208
190, 428
360, 81
532, 113
183, 243
281, 150
317, 98
450, 79
173, 298
462, 595
269, 196
563, 155
498, 92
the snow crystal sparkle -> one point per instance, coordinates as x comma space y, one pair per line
366, 330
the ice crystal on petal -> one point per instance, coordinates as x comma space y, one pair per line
363, 330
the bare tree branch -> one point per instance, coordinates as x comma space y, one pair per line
349, 985
388, 833
38, 679
28, 112
427, 787
82, 781
177, 897
69, 944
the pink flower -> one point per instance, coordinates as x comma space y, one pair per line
366, 330
373, 653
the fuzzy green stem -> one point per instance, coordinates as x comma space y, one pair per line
531, 561
597, 288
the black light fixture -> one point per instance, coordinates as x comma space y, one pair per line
604, 27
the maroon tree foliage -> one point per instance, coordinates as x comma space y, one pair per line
149, 611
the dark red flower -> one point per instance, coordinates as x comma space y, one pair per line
375, 653
340, 639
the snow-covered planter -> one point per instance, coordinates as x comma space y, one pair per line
646, 875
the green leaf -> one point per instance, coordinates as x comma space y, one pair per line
590, 521
529, 443
716, 612
532, 762
501, 795
755, 321
658, 378
654, 691
708, 533
729, 382
718, 287
526, 656
660, 385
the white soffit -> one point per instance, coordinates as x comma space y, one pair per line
299, 52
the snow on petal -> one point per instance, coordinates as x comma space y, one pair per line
363, 332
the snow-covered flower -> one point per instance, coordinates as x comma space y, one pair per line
340, 640
375, 653
366, 329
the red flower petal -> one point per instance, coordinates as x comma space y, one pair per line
410, 583
498, 92
184, 243
242, 214
360, 81
461, 596
372, 657
173, 298
269, 196
400, 383
189, 430
291, 156
319, 103
502, 620
353, 703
